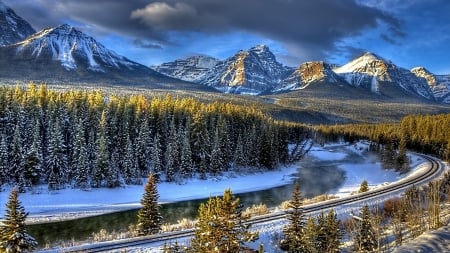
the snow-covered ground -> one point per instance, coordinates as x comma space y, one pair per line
74, 203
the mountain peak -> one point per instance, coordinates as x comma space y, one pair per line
12, 27
72, 48
260, 48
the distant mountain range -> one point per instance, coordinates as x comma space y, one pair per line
256, 71
66, 55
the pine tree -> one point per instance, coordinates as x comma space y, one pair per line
186, 155
102, 165
217, 155
156, 156
79, 166
130, 165
334, 232
293, 233
220, 226
33, 161
143, 148
364, 186
13, 232
149, 217
16, 162
4, 164
57, 159
311, 235
365, 240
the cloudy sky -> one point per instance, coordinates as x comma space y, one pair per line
410, 33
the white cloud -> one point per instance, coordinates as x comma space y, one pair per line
158, 14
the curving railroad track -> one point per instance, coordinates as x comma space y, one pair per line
434, 169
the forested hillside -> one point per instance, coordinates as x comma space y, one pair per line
89, 139
423, 133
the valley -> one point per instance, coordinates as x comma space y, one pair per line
92, 143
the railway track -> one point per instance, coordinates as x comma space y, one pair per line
433, 170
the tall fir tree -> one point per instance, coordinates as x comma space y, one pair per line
365, 239
293, 232
101, 169
186, 168
156, 155
13, 233
33, 159
149, 216
57, 159
4, 164
16, 161
220, 226
79, 165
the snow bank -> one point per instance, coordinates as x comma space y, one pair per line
75, 203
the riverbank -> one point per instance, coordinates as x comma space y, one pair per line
45, 206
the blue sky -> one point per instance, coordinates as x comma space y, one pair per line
409, 33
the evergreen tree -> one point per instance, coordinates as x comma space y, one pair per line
57, 159
365, 240
79, 166
311, 236
130, 165
101, 169
220, 226
16, 162
143, 148
334, 233
156, 156
4, 165
186, 155
13, 232
293, 233
172, 154
217, 155
149, 217
364, 186
33, 160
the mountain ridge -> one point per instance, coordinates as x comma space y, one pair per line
13, 28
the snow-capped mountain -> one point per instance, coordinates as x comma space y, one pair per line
189, 69
439, 84
12, 27
373, 72
72, 49
66, 54
249, 72
307, 73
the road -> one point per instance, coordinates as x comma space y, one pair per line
428, 171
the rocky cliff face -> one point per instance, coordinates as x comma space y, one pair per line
251, 72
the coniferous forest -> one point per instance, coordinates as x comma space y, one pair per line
423, 133
87, 139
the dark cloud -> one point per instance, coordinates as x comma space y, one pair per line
312, 27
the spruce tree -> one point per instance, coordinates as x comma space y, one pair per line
293, 233
16, 161
364, 186
4, 164
57, 159
149, 216
13, 232
220, 226
333, 232
365, 240
33, 159
186, 156
79, 166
